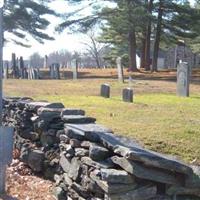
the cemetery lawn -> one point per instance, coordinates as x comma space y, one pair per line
157, 119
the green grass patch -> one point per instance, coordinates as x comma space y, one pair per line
161, 122
157, 118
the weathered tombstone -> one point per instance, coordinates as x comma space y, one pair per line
38, 73
51, 71
105, 91
21, 67
6, 148
35, 74
57, 70
31, 73
183, 79
14, 66
127, 95
75, 69
120, 69
26, 73
46, 61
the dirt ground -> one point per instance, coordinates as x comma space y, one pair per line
23, 185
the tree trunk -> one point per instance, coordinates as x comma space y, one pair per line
132, 51
142, 57
157, 39
148, 39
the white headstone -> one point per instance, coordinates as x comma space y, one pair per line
120, 69
183, 79
75, 69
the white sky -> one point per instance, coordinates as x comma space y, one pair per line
62, 41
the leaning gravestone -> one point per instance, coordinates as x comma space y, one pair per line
6, 147
105, 91
183, 79
120, 70
127, 95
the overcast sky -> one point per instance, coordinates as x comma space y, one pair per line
62, 41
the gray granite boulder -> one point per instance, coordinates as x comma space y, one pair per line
98, 153
36, 160
78, 119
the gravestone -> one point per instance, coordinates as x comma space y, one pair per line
14, 66
120, 70
21, 67
29, 72
57, 70
75, 69
25, 73
45, 61
183, 79
35, 74
6, 148
127, 95
105, 91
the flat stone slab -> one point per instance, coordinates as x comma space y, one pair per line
72, 111
78, 119
116, 176
176, 190
97, 164
143, 193
91, 132
112, 188
145, 172
36, 105
153, 159
111, 141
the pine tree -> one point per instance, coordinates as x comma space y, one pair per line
24, 17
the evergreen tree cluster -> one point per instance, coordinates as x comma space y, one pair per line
142, 26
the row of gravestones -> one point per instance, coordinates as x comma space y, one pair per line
55, 70
127, 93
183, 83
18, 70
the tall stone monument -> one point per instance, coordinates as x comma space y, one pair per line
120, 69
45, 61
183, 79
75, 69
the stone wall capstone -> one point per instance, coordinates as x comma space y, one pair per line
88, 161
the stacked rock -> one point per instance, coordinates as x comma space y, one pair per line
88, 161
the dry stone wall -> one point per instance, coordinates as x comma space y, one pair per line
88, 161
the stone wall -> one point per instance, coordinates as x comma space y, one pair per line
88, 161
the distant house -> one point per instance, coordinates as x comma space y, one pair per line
170, 58
181, 53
